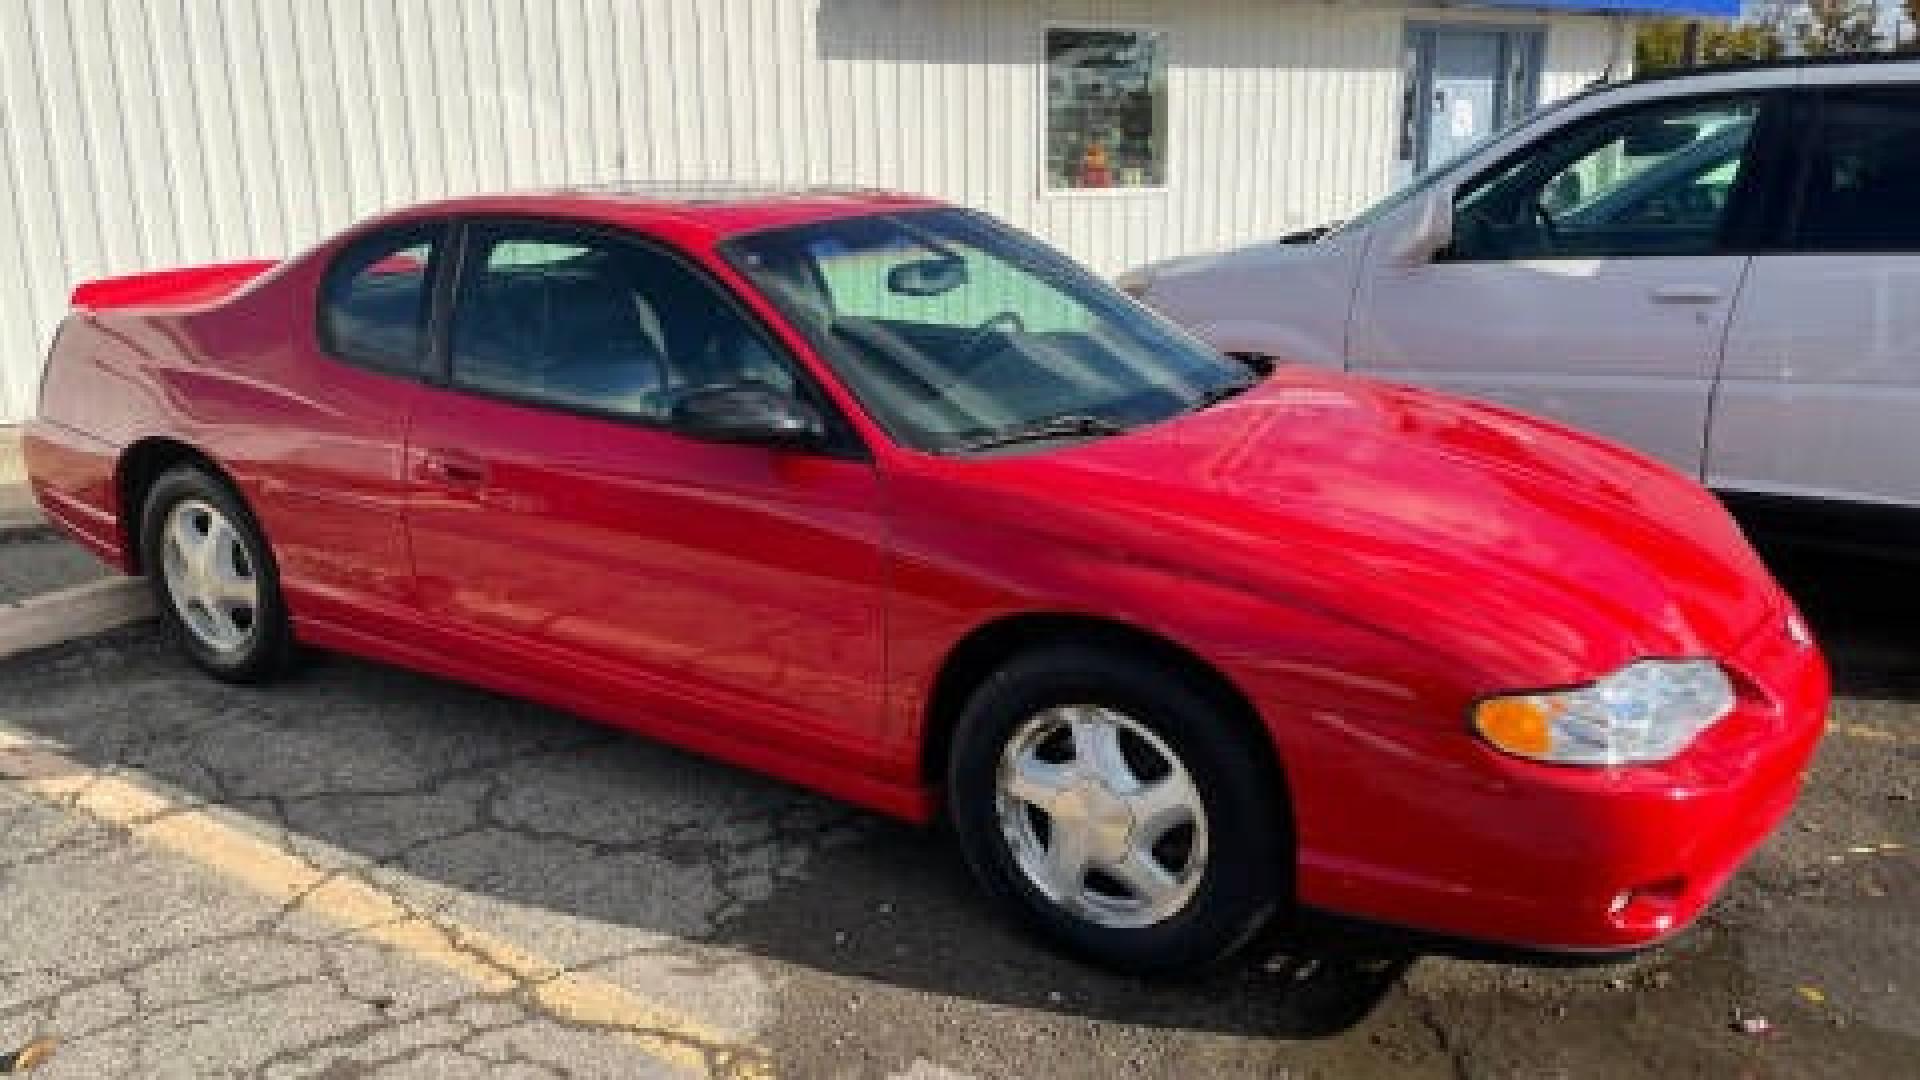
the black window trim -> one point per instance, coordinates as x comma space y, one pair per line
1810, 117
843, 438
1757, 206
439, 231
1742, 228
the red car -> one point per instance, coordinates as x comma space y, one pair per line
887, 499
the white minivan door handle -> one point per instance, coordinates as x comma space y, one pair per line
1686, 294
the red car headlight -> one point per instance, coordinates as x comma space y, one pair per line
1647, 711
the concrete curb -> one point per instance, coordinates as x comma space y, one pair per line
66, 614
13, 470
18, 510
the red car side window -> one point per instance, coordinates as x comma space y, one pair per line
580, 320
377, 298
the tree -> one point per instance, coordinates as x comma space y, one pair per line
1912, 44
1662, 44
1778, 16
1839, 26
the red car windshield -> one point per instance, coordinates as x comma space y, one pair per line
957, 333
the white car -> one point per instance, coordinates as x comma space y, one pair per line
1721, 269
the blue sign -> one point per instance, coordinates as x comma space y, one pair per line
1720, 8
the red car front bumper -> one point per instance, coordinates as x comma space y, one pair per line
1460, 840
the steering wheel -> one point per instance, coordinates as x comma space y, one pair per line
1004, 322
1549, 229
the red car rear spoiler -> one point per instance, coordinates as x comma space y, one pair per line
191, 286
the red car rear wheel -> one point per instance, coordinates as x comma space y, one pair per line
214, 578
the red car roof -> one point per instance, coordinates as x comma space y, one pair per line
724, 211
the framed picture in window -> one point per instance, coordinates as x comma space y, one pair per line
1105, 109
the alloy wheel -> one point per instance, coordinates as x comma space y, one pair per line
209, 575
1101, 816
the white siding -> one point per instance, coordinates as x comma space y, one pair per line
145, 133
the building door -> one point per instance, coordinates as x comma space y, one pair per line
1465, 83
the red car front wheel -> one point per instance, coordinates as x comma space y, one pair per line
1114, 808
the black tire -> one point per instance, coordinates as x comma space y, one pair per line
1247, 875
267, 649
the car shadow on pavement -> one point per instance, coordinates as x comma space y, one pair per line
1865, 611
586, 846
900, 908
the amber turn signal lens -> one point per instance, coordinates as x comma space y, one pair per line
1517, 725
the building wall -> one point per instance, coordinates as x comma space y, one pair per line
143, 133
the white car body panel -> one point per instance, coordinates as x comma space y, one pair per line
1587, 342
1820, 389
1287, 301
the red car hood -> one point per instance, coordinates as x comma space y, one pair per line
1528, 549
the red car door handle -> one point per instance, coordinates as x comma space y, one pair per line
453, 469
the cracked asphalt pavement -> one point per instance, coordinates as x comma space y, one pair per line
366, 872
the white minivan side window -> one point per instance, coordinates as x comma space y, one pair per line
1653, 180
1862, 189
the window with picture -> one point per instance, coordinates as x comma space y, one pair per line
1106, 109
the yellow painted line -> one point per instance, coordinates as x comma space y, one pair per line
367, 913
1873, 734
